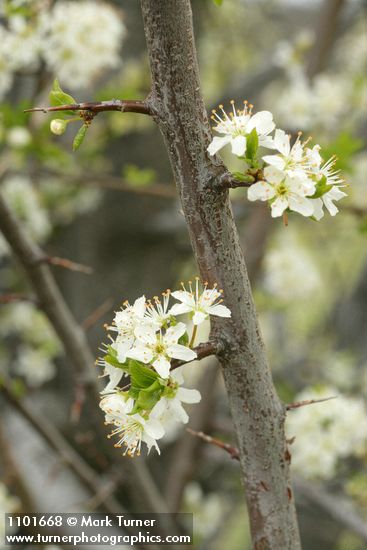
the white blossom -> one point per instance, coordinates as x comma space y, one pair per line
159, 348
77, 44
284, 191
132, 429
235, 127
199, 304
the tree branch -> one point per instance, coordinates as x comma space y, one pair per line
257, 412
122, 105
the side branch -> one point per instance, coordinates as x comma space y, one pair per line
123, 105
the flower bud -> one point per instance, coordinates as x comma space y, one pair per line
58, 126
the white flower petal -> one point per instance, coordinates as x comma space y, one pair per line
318, 209
141, 353
162, 366
115, 376
188, 396
282, 142
176, 351
275, 160
146, 334
199, 317
238, 145
217, 143
278, 206
274, 175
301, 205
260, 191
262, 121
154, 428
139, 306
220, 310
179, 309
174, 333
184, 297
178, 411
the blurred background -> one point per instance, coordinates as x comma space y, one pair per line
112, 206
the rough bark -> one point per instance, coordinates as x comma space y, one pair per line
177, 105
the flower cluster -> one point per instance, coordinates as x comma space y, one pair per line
326, 432
294, 178
144, 339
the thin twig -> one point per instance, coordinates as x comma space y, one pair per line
298, 404
66, 264
124, 106
232, 451
94, 317
16, 297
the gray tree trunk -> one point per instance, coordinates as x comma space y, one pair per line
257, 412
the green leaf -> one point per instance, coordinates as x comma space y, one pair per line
321, 188
252, 145
218, 2
149, 397
141, 377
79, 138
58, 97
184, 339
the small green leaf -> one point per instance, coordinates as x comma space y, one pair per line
149, 397
58, 97
184, 339
79, 138
218, 2
321, 188
252, 145
240, 176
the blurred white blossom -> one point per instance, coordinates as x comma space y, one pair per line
18, 137
290, 271
326, 432
207, 509
80, 40
24, 199
34, 365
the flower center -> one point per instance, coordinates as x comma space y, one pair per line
282, 189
